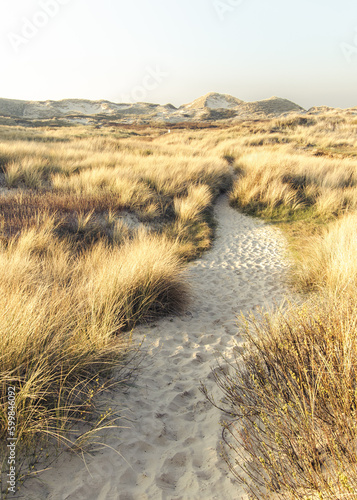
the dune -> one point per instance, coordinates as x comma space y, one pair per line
169, 446
213, 100
210, 107
268, 108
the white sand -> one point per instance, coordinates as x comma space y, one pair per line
171, 449
219, 102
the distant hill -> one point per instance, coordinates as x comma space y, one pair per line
208, 108
214, 101
274, 106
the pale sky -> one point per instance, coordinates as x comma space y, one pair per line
177, 50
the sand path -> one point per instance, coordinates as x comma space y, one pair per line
171, 446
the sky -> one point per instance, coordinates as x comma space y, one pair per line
173, 51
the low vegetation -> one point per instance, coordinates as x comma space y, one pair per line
94, 232
290, 396
291, 430
95, 228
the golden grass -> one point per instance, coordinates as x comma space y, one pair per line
63, 318
76, 278
274, 183
330, 258
197, 200
290, 397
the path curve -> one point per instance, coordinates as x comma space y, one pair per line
171, 448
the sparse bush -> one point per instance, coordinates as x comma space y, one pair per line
291, 403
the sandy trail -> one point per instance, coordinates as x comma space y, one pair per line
171, 448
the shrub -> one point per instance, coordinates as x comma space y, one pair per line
291, 402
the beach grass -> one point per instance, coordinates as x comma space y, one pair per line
95, 229
290, 429
96, 226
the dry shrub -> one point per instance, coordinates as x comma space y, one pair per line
291, 403
21, 210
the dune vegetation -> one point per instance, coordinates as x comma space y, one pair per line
96, 225
95, 230
291, 394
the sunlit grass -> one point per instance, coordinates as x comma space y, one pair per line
78, 274
290, 395
94, 232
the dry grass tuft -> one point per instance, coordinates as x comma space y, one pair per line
64, 318
279, 184
191, 207
330, 258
